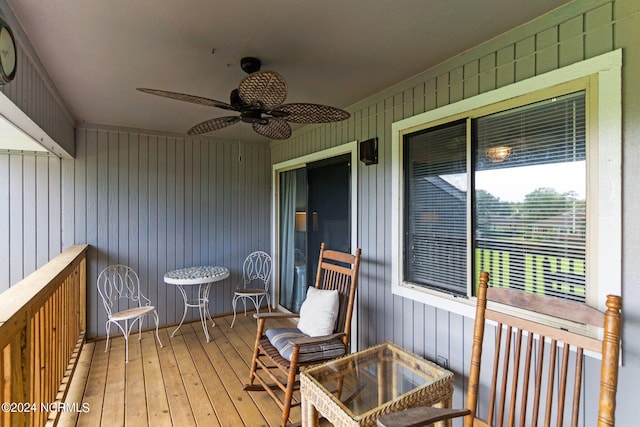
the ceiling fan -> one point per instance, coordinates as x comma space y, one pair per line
259, 100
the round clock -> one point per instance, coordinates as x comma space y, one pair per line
7, 53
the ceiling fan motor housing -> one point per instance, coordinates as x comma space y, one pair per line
253, 116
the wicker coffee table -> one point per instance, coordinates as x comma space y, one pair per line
356, 389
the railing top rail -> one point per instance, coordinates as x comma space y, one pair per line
31, 292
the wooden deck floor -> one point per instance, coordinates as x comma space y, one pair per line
188, 382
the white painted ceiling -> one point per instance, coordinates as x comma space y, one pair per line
334, 52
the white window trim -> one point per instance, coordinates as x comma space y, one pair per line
604, 184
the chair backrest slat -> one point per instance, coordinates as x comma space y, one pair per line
525, 387
576, 388
515, 378
562, 381
505, 375
538, 389
339, 270
550, 381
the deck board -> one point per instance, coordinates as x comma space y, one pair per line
114, 393
136, 405
157, 405
95, 385
179, 406
186, 382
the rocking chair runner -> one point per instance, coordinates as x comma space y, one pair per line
535, 368
281, 352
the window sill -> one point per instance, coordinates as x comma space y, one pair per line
459, 305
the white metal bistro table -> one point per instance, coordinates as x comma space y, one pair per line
202, 276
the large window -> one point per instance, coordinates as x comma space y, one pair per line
435, 249
529, 198
523, 182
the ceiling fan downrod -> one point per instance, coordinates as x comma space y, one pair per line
250, 64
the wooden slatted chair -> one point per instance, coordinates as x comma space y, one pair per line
535, 368
280, 353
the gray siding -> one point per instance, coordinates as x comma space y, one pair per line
581, 30
158, 203
30, 214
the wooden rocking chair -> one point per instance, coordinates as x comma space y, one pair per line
282, 352
535, 369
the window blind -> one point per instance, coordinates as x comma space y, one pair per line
435, 194
530, 207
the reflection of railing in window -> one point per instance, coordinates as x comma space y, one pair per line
553, 270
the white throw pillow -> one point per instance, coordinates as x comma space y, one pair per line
319, 312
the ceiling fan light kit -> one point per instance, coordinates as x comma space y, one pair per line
259, 100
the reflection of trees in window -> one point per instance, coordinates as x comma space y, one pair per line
544, 213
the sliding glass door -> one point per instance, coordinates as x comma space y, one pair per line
315, 207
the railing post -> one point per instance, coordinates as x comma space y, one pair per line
21, 374
83, 294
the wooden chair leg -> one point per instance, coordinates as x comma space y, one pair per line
291, 382
256, 351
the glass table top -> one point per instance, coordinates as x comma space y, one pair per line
366, 380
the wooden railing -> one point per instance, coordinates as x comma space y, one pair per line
42, 329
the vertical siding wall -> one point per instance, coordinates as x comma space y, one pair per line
30, 214
159, 202
578, 31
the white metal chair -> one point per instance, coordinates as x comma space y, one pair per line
256, 269
119, 288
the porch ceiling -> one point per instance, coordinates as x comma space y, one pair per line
331, 52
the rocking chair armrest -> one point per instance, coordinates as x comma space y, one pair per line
302, 341
275, 316
419, 416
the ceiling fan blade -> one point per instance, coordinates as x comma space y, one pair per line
274, 129
188, 98
213, 124
309, 113
264, 89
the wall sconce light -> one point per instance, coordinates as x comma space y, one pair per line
498, 154
369, 151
